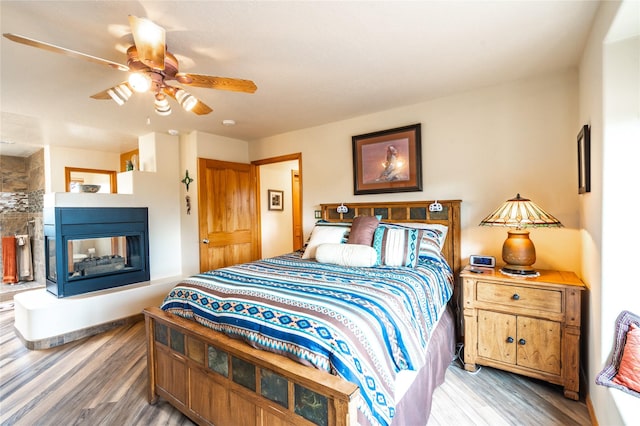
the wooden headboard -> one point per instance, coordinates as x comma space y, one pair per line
408, 211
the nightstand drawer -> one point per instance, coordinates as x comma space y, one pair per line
512, 295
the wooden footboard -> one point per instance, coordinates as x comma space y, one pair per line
214, 379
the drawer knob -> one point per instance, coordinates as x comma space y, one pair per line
509, 339
516, 296
522, 341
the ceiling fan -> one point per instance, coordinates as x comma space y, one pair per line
150, 66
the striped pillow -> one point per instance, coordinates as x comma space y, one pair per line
397, 246
432, 239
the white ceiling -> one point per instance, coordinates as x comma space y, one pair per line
314, 62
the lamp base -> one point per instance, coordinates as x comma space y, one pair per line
519, 253
521, 271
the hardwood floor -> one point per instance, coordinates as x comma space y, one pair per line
101, 380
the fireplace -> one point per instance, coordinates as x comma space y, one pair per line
93, 248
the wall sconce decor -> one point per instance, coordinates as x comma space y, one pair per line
187, 180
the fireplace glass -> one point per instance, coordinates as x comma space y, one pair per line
94, 256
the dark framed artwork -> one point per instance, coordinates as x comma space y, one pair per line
276, 199
584, 160
388, 161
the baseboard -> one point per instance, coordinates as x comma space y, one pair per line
587, 398
59, 340
592, 413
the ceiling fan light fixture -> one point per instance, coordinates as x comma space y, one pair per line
186, 100
139, 82
162, 105
124, 91
115, 97
120, 94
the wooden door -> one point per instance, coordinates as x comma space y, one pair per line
496, 336
539, 344
296, 210
227, 213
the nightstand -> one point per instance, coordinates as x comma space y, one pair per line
529, 326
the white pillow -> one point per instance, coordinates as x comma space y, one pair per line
358, 255
323, 235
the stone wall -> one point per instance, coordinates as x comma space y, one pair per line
21, 203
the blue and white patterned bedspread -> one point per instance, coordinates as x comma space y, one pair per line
363, 324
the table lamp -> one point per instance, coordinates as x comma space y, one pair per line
518, 251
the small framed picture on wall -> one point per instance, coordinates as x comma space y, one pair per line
276, 198
584, 160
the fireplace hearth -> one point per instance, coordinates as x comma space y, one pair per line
95, 248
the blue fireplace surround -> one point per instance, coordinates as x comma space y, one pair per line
89, 249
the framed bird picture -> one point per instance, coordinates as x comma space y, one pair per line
388, 161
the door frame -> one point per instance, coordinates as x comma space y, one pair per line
296, 217
271, 160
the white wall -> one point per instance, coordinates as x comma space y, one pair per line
609, 102
189, 220
158, 190
276, 225
482, 147
57, 158
621, 151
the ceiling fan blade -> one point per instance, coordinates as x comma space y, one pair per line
67, 52
220, 83
102, 95
149, 39
200, 108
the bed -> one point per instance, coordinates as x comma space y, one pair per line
251, 344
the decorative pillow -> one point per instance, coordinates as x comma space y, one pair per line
357, 255
629, 371
434, 231
606, 376
362, 230
324, 234
429, 249
432, 240
322, 222
397, 246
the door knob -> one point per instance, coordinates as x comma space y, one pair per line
205, 241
